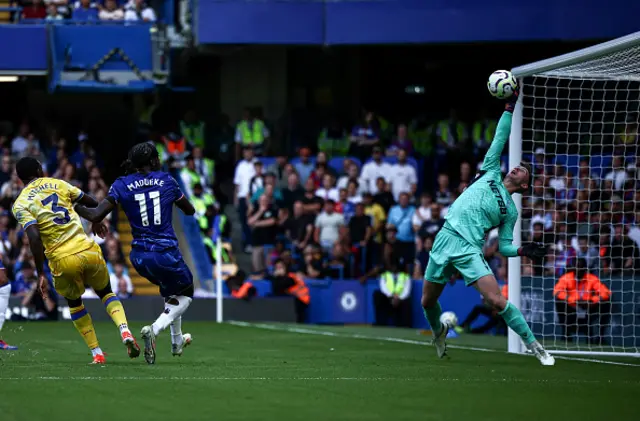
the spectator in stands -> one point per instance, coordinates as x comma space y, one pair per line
361, 234
403, 177
120, 282
365, 135
579, 289
111, 11
618, 173
311, 203
312, 266
384, 197
621, 254
393, 299
257, 181
430, 227
10, 190
62, 8
443, 194
353, 189
400, 216
329, 226
292, 192
378, 218
268, 187
317, 175
204, 166
251, 131
352, 174
401, 142
422, 257
24, 140
190, 177
138, 10
53, 15
588, 252
279, 169
338, 266
373, 170
344, 206
299, 229
263, 224
6, 169
328, 191
304, 166
85, 10
284, 282
245, 171
35, 9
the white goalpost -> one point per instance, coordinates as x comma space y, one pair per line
577, 122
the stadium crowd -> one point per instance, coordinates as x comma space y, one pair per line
79, 166
87, 10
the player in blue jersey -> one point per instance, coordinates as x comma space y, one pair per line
486, 204
147, 196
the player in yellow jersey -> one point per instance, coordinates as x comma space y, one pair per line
44, 208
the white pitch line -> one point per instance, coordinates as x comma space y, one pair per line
356, 379
404, 341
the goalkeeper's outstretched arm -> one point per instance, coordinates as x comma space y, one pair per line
492, 158
506, 247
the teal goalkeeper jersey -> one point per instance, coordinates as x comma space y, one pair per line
486, 204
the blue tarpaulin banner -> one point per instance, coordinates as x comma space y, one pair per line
23, 48
410, 21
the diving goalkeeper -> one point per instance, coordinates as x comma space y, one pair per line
486, 204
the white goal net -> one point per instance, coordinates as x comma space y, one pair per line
577, 123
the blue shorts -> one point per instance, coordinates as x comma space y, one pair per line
165, 268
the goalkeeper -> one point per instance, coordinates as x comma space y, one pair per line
486, 204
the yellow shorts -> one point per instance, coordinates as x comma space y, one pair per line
72, 273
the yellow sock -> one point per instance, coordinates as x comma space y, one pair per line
116, 310
83, 323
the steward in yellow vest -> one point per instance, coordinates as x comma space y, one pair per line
393, 299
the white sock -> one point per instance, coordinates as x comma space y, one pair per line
171, 312
96, 351
176, 331
5, 292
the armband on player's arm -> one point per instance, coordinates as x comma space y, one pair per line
533, 250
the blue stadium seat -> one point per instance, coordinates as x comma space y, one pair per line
295, 160
267, 161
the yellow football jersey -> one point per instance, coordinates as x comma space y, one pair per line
48, 202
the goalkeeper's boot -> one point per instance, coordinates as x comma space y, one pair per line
6, 347
541, 354
439, 340
176, 349
149, 344
130, 342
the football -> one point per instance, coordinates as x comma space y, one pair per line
502, 84
449, 318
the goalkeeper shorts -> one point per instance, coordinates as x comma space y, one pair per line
451, 252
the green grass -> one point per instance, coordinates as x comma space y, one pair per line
246, 373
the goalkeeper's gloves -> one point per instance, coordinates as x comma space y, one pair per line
533, 250
511, 101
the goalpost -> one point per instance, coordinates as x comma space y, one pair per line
577, 121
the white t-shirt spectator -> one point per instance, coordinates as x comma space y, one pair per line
132, 14
343, 182
116, 14
245, 170
421, 215
558, 184
371, 171
329, 225
19, 145
619, 177
401, 179
332, 194
115, 281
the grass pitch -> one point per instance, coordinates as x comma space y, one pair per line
317, 373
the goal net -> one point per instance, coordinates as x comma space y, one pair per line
577, 123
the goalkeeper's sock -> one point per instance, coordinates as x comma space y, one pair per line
433, 317
515, 320
5, 292
83, 323
116, 311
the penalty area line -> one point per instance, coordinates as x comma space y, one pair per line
317, 332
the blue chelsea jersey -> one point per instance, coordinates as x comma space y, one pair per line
147, 200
